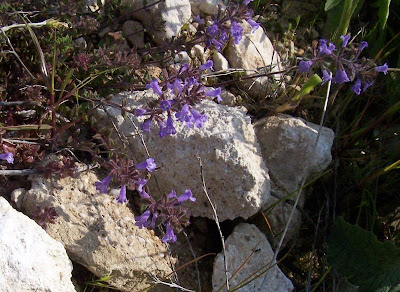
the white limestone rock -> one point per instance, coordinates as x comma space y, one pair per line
287, 146
236, 177
133, 31
248, 251
254, 52
99, 233
163, 20
220, 63
30, 260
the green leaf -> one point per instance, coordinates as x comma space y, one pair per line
366, 262
308, 86
329, 4
383, 12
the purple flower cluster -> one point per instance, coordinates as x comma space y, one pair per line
167, 211
9, 157
346, 59
176, 97
227, 24
127, 174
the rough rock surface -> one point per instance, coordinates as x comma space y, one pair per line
254, 51
163, 20
209, 7
248, 249
235, 174
30, 260
287, 146
133, 31
220, 63
99, 233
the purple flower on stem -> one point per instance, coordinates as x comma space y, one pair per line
383, 69
254, 25
102, 186
236, 32
245, 2
345, 39
141, 221
122, 195
215, 93
168, 129
367, 84
187, 195
304, 66
140, 183
363, 45
165, 105
208, 65
324, 49
145, 126
9, 157
217, 44
144, 195
149, 164
171, 195
183, 114
169, 234
341, 77
357, 87
199, 119
326, 76
213, 30
154, 85
140, 112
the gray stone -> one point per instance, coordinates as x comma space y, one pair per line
220, 63
236, 177
99, 233
17, 196
30, 260
248, 251
163, 20
133, 31
287, 145
255, 53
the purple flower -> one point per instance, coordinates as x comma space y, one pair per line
140, 112
153, 221
187, 195
215, 93
326, 76
141, 221
140, 183
245, 2
9, 157
324, 49
144, 195
168, 129
341, 77
149, 164
236, 32
345, 39
171, 195
183, 114
198, 19
208, 65
383, 68
145, 126
169, 235
122, 195
367, 84
254, 25
154, 85
362, 45
102, 186
213, 30
165, 105
304, 66
199, 119
217, 44
357, 87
